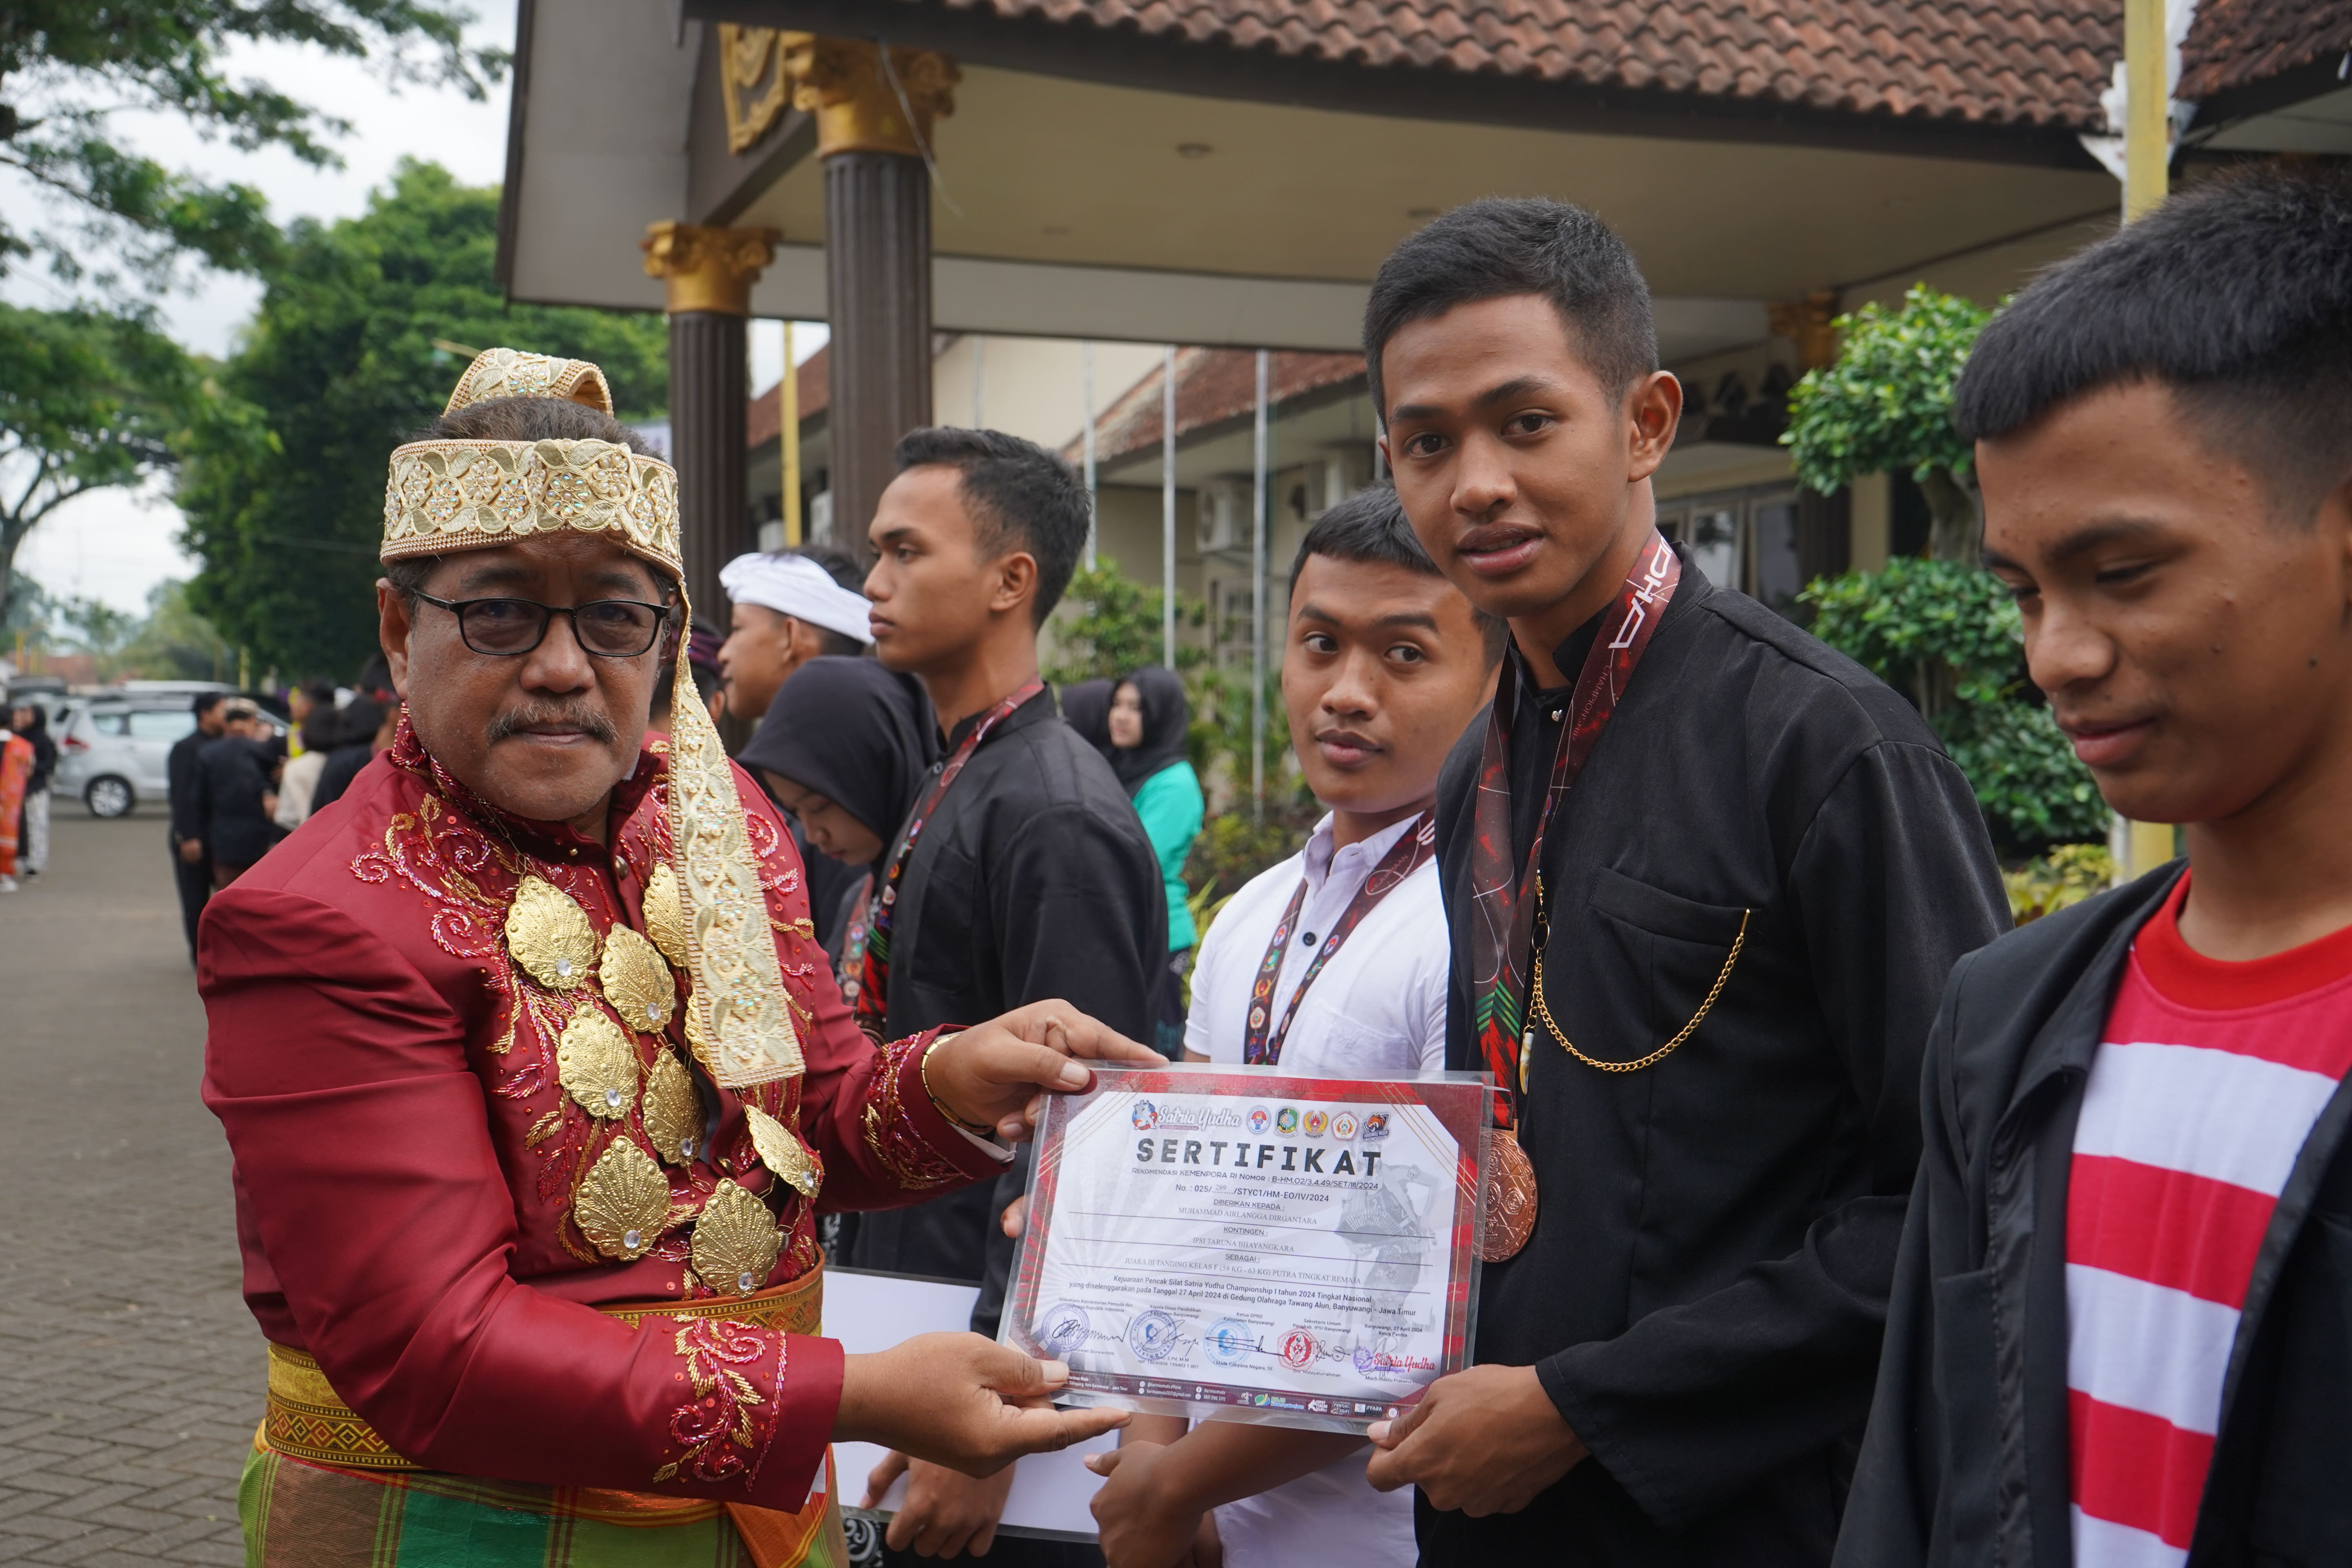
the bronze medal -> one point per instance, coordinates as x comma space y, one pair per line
1510, 1198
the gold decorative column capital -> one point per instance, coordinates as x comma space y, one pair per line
708, 268
862, 101
1806, 323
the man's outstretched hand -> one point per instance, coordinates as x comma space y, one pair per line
997, 1075
962, 1401
1482, 1441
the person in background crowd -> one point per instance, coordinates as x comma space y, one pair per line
304, 699
1148, 723
1022, 875
700, 654
316, 732
2118, 1337
1085, 708
1704, 878
845, 749
785, 609
192, 867
238, 803
364, 729
1386, 664
15, 769
32, 724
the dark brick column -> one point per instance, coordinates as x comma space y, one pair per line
707, 408
877, 256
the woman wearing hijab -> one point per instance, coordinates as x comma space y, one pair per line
1148, 722
846, 747
31, 724
1085, 708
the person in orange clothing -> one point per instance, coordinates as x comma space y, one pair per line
535, 1077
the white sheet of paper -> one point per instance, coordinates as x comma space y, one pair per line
868, 1313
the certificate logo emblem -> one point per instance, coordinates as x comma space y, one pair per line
1287, 1118
1258, 1118
1297, 1349
1229, 1342
1376, 1125
1062, 1329
1343, 1127
1151, 1336
1147, 1116
1315, 1122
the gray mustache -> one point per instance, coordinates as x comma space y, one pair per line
508, 725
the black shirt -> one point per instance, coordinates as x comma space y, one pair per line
233, 775
1033, 880
1705, 1289
187, 799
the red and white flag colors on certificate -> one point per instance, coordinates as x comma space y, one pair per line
2207, 1081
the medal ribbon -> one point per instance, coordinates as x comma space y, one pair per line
1412, 847
874, 970
1503, 905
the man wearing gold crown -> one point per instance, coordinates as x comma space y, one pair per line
534, 1076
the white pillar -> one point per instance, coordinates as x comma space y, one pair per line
1257, 596
1168, 506
1086, 377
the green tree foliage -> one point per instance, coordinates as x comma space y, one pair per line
87, 399
66, 65
1108, 624
1948, 637
174, 643
283, 484
1885, 406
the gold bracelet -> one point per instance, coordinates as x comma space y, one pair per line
923, 1070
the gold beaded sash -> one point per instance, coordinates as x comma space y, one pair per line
307, 1419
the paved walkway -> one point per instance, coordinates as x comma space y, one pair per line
130, 1372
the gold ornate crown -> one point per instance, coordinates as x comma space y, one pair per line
445, 495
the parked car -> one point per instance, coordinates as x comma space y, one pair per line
111, 751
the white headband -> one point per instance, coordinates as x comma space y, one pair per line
797, 586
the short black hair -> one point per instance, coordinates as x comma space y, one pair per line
533, 418
1023, 495
1370, 526
206, 702
2237, 293
1519, 245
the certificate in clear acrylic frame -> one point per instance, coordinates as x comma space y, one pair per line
1176, 1255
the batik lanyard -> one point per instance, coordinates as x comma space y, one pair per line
1502, 905
873, 981
853, 939
1413, 847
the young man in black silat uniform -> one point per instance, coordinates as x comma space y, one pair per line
1704, 878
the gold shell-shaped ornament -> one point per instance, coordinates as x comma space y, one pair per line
623, 1205
673, 1111
665, 914
550, 936
698, 1037
637, 982
783, 1153
735, 1241
597, 1064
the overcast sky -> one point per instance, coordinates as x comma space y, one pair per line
116, 545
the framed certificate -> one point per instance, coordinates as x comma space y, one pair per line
1244, 1244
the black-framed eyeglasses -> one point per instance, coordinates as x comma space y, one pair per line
611, 628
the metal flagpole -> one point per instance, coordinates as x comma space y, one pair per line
978, 378
788, 406
1257, 598
1086, 376
1168, 506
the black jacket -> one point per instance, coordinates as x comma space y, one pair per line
1967, 1461
1033, 880
232, 776
180, 774
1716, 1234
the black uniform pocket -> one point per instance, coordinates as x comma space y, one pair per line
1669, 953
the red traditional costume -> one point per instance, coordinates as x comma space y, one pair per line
528, 1144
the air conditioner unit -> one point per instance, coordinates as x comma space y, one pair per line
1224, 518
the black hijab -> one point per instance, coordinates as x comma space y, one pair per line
1085, 708
856, 733
1165, 720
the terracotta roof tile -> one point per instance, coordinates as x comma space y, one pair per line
2235, 43
2018, 62
1214, 387
764, 421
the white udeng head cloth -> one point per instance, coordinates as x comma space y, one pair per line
797, 586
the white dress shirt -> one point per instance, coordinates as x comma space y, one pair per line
1377, 1010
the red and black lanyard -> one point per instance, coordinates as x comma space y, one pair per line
1415, 844
1502, 905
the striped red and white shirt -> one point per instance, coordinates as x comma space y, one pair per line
2207, 1081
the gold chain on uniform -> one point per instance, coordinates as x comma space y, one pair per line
1543, 1008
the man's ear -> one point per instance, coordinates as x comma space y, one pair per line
392, 626
1016, 581
1654, 408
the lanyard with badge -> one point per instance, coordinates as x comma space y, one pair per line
873, 1004
1262, 1047
1504, 900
